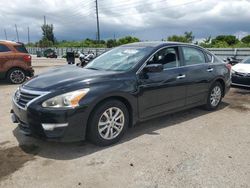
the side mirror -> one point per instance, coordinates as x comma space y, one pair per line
154, 68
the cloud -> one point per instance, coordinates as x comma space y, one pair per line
146, 19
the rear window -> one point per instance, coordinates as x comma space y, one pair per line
21, 48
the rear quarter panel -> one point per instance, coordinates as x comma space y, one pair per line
19, 62
221, 72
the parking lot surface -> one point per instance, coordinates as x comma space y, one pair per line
193, 148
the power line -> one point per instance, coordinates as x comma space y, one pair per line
142, 5
160, 8
129, 5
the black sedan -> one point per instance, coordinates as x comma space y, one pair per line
128, 84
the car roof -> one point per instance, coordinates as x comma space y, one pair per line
155, 44
8, 42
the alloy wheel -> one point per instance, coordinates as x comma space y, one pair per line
111, 123
215, 96
17, 76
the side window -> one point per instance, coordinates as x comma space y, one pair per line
4, 48
209, 57
246, 61
168, 57
193, 56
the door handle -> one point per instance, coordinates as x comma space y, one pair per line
210, 70
181, 76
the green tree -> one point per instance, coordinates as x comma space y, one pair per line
221, 44
176, 38
127, 40
111, 43
48, 38
44, 43
188, 37
207, 40
246, 39
229, 39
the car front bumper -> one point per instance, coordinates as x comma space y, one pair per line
243, 81
57, 125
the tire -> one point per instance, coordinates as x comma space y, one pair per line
100, 123
214, 97
16, 76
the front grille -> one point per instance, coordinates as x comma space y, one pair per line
242, 74
22, 98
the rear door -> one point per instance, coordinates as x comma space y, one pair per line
199, 74
5, 60
164, 91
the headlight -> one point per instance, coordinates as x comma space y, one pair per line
67, 100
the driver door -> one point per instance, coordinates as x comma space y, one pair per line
160, 92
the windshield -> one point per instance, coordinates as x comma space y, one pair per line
246, 61
119, 59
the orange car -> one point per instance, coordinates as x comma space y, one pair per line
15, 62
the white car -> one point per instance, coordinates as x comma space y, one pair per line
241, 73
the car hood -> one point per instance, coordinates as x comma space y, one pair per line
67, 76
241, 67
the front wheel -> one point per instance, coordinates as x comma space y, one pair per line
108, 123
214, 96
16, 76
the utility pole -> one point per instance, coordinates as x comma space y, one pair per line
17, 35
28, 35
44, 20
97, 21
5, 33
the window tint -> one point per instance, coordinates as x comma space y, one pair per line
4, 48
168, 57
21, 48
193, 56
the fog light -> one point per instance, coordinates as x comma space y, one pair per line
52, 126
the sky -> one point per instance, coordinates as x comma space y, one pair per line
145, 19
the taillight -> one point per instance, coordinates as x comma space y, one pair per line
27, 59
229, 66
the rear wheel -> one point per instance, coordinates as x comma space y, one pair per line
214, 96
108, 123
16, 76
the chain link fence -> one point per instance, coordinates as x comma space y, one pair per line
61, 52
238, 53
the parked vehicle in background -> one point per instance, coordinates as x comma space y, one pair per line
15, 62
85, 59
49, 53
81, 56
241, 73
121, 87
231, 60
70, 56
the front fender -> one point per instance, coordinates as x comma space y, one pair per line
119, 90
